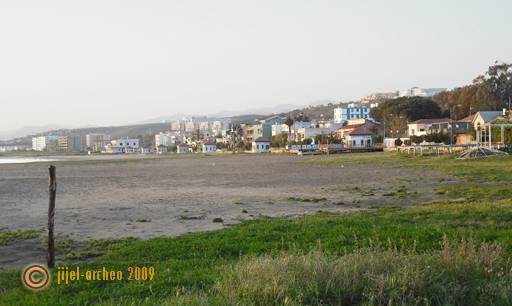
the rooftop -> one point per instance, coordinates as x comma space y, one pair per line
431, 121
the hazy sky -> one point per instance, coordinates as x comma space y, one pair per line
114, 62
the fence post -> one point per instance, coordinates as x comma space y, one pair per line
52, 188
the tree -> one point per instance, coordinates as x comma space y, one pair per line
490, 91
326, 139
396, 113
235, 134
416, 139
279, 141
289, 122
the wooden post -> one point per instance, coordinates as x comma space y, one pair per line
52, 188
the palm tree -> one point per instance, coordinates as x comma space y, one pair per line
289, 122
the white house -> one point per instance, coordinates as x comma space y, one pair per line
422, 127
120, 146
306, 133
360, 137
209, 148
182, 149
261, 145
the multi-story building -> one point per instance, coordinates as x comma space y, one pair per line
204, 125
191, 126
178, 125
420, 92
72, 143
39, 143
96, 142
379, 96
252, 132
219, 127
45, 143
163, 139
352, 111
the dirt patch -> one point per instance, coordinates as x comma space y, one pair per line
175, 196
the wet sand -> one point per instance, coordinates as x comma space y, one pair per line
172, 196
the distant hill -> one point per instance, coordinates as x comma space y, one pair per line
114, 131
5, 135
24, 136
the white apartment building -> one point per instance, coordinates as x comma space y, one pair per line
420, 92
352, 111
163, 139
279, 128
39, 143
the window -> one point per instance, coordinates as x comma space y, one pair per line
354, 143
362, 142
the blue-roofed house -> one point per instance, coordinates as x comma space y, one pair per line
484, 117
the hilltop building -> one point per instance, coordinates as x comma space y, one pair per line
420, 92
353, 111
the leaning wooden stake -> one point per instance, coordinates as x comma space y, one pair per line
52, 188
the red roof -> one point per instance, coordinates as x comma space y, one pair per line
361, 130
431, 121
261, 139
468, 118
351, 126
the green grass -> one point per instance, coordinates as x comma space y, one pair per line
191, 268
192, 262
458, 273
305, 199
9, 236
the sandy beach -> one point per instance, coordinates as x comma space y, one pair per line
149, 198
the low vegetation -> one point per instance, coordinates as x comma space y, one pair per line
306, 199
9, 236
454, 275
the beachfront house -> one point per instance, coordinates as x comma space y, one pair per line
182, 149
360, 137
261, 145
123, 146
209, 148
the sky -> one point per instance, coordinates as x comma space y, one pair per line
73, 63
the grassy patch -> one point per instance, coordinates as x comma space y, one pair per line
305, 199
401, 192
192, 262
9, 236
68, 249
363, 191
